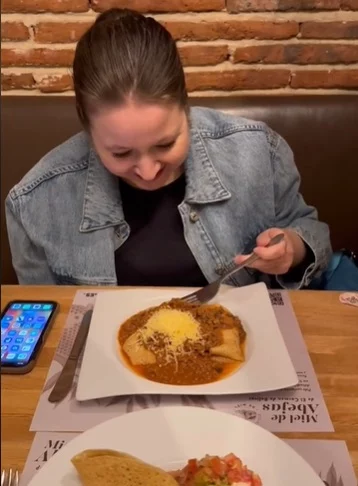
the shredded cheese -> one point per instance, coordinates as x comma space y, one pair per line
175, 327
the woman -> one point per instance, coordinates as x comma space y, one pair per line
153, 193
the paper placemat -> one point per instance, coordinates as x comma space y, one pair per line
329, 458
300, 409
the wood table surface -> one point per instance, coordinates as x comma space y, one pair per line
330, 330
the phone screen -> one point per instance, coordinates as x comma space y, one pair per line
22, 327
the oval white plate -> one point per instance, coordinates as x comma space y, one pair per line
168, 436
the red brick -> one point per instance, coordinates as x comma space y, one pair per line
52, 83
14, 31
238, 79
17, 81
298, 54
203, 55
235, 6
55, 83
37, 57
35, 6
349, 4
160, 5
338, 79
329, 30
232, 29
51, 32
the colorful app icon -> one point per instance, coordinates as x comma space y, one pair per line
16, 306
10, 356
19, 340
47, 306
30, 341
36, 306
22, 356
12, 333
26, 306
8, 318
22, 333
20, 318
34, 333
5, 325
37, 325
3, 348
15, 348
25, 348
41, 319
17, 325
7, 340
27, 325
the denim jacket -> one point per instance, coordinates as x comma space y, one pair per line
65, 218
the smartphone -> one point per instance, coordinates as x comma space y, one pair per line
24, 328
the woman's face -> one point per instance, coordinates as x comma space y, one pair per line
144, 144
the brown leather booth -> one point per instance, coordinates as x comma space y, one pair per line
322, 131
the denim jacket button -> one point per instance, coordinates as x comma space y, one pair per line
193, 216
219, 270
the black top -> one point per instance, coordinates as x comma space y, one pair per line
156, 252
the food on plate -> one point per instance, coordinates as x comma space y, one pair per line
216, 471
113, 468
179, 343
105, 467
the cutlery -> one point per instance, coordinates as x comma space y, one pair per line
10, 477
209, 291
64, 383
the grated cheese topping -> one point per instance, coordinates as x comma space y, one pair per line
175, 327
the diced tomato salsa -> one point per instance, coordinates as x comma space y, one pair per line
216, 471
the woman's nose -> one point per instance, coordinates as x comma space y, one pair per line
147, 169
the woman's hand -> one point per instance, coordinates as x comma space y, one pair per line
280, 258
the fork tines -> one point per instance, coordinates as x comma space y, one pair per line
191, 298
10, 477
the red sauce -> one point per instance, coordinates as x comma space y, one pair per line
190, 375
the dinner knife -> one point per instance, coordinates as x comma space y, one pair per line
64, 383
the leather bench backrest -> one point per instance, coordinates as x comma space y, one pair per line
321, 130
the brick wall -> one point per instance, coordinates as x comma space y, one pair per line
232, 46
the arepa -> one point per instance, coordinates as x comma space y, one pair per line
97, 467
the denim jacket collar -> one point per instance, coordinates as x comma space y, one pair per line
102, 205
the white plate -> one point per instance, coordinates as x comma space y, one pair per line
167, 437
267, 367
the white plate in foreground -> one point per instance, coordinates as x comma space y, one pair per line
103, 373
167, 437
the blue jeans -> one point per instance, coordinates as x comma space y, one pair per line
341, 273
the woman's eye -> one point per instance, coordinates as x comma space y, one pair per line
122, 155
166, 145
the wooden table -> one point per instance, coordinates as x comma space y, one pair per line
330, 330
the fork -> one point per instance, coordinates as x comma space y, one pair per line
209, 291
10, 477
